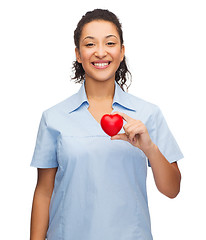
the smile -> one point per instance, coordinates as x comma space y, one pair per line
100, 65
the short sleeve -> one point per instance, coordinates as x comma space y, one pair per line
45, 155
164, 139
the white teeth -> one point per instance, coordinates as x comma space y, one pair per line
101, 64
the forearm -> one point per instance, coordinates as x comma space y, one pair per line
39, 215
167, 177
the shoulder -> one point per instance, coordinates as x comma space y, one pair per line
60, 109
149, 113
142, 105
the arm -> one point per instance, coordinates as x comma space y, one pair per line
41, 201
167, 175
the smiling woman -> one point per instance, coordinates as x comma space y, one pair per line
95, 185
101, 31
99, 49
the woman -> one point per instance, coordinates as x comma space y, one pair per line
91, 186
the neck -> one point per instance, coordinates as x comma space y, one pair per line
99, 90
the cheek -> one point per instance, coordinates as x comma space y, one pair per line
116, 54
86, 55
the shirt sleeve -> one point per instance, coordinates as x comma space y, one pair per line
164, 139
45, 152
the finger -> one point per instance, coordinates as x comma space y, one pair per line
125, 116
121, 136
127, 126
133, 131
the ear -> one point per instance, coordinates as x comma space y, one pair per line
78, 56
122, 52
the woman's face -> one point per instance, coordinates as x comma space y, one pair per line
100, 51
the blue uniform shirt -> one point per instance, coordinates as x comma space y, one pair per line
100, 185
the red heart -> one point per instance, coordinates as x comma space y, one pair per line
111, 123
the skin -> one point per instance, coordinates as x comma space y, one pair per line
41, 201
100, 41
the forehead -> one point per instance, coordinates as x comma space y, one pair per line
99, 28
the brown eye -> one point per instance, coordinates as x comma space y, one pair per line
110, 43
90, 44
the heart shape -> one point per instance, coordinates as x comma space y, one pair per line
111, 123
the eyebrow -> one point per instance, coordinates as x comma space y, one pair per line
108, 36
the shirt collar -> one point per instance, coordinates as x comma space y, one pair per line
120, 97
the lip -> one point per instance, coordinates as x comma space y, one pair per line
101, 61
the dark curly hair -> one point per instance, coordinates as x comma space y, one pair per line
122, 73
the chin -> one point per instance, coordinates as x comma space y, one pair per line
102, 77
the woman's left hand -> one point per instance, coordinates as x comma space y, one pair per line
135, 133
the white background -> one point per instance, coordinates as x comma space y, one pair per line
166, 52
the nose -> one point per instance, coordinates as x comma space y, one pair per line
100, 52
